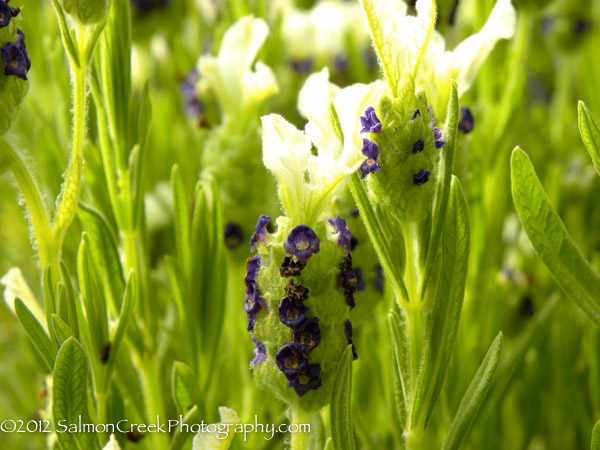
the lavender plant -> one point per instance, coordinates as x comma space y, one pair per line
344, 168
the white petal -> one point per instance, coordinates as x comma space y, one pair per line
220, 439
17, 287
399, 40
241, 43
285, 153
313, 103
470, 54
112, 444
259, 85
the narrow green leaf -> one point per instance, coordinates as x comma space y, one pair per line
93, 300
104, 253
474, 396
180, 437
184, 385
376, 236
50, 304
445, 315
551, 240
35, 332
596, 437
590, 133
182, 221
70, 396
341, 404
143, 128
61, 329
400, 350
442, 188
68, 301
128, 304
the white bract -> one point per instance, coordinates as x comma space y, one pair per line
238, 87
440, 66
400, 40
221, 438
321, 32
15, 287
306, 180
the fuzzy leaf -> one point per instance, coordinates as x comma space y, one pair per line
341, 403
445, 315
551, 240
474, 396
61, 329
35, 332
70, 395
400, 349
590, 133
184, 386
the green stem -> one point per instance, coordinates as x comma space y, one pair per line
299, 440
44, 238
70, 192
154, 399
377, 237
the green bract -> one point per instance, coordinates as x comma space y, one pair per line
86, 11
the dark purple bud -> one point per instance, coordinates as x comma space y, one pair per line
261, 234
233, 235
546, 24
344, 236
467, 121
296, 290
354, 212
5, 14
290, 360
302, 66
439, 144
252, 268
348, 280
15, 57
370, 149
353, 243
260, 352
437, 133
416, 114
291, 268
348, 332
145, 7
367, 167
527, 306
193, 106
419, 146
340, 63
254, 304
370, 122
379, 280
307, 336
292, 312
360, 283
421, 178
305, 381
581, 26
302, 242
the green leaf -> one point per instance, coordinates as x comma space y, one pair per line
442, 187
400, 351
341, 404
474, 396
182, 221
590, 133
125, 316
93, 300
68, 302
185, 388
70, 396
145, 116
61, 329
596, 437
551, 240
50, 304
104, 253
445, 315
35, 332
